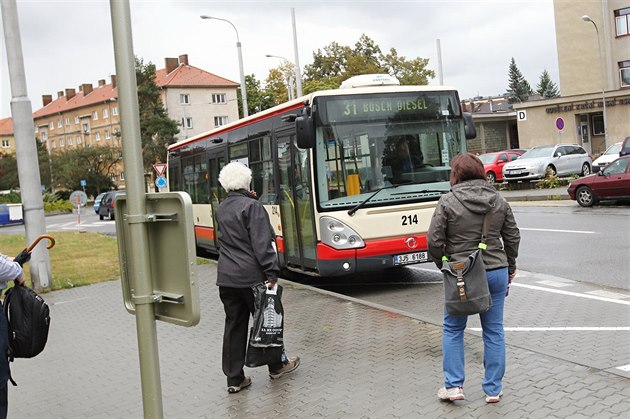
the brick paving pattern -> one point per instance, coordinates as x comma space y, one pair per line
357, 361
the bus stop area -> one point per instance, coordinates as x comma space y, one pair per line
359, 360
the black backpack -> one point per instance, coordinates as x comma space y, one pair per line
29, 320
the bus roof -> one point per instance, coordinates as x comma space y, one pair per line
299, 102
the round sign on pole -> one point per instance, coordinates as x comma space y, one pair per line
560, 123
78, 199
160, 182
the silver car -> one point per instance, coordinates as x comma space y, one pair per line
549, 160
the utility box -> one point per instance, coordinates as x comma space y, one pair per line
172, 253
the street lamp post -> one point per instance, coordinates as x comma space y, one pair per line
240, 62
586, 18
289, 81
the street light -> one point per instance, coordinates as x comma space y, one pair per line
240, 62
587, 18
290, 65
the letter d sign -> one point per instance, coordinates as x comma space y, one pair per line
521, 116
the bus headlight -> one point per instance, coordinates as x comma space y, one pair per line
338, 235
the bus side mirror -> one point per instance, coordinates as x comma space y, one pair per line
305, 131
469, 126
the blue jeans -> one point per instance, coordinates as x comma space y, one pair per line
493, 339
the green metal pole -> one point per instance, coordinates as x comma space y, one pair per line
139, 265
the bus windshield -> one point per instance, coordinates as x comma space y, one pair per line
366, 143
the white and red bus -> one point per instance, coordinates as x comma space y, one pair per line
349, 177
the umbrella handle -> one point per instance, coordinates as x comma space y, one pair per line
40, 238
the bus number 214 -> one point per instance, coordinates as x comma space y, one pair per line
408, 220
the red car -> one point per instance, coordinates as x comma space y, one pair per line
493, 163
612, 182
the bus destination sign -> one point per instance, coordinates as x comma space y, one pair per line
380, 107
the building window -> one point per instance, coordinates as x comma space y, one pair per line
187, 123
51, 126
59, 123
78, 139
184, 99
54, 145
218, 98
86, 127
105, 113
624, 73
67, 120
69, 140
44, 135
120, 154
97, 136
115, 110
76, 119
220, 120
5, 143
95, 115
622, 21
598, 124
61, 142
107, 135
122, 175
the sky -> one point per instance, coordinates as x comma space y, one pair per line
68, 43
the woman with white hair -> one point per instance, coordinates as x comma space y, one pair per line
246, 258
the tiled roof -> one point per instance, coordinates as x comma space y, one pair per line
100, 94
183, 75
6, 126
188, 75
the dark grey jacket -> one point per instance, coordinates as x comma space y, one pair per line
246, 255
456, 226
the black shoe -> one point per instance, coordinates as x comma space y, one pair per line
245, 383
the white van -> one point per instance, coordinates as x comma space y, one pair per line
608, 156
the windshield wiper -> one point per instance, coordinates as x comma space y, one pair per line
360, 205
440, 191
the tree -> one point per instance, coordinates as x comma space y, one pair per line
336, 63
518, 87
546, 87
157, 130
9, 178
8, 172
94, 164
258, 99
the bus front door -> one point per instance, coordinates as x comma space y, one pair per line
296, 205
216, 161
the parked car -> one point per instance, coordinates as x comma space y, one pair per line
611, 154
97, 201
625, 147
106, 208
493, 163
612, 182
549, 160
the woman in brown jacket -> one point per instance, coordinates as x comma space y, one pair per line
455, 232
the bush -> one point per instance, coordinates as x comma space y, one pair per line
11, 198
553, 182
59, 205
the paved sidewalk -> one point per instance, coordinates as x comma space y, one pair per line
357, 362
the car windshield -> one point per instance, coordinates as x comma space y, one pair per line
487, 158
537, 152
614, 149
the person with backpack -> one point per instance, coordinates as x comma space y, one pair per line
10, 270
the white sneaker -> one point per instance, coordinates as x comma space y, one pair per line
494, 399
452, 394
